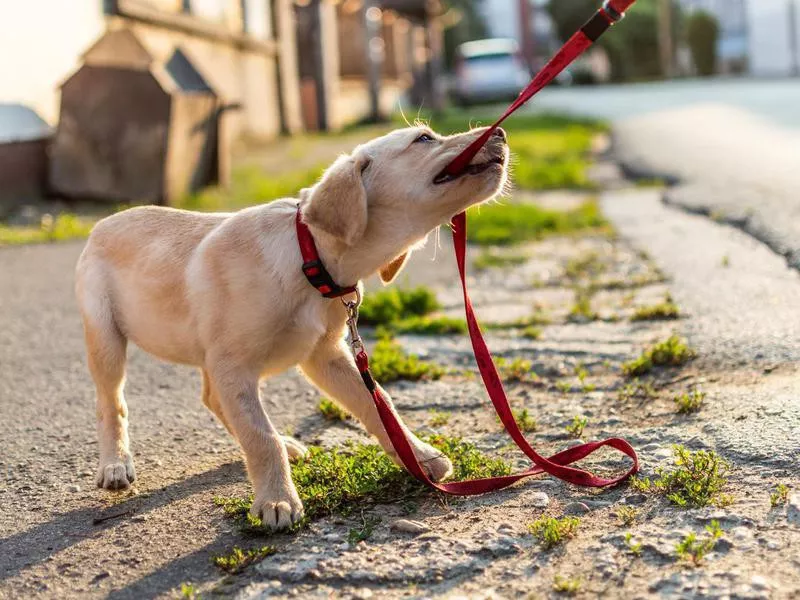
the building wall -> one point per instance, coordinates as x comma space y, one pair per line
47, 49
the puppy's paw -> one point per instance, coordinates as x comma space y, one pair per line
436, 465
278, 508
294, 448
116, 473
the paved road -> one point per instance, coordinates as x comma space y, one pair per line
733, 146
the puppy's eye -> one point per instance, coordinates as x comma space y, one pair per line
424, 138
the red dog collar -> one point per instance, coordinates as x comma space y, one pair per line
313, 269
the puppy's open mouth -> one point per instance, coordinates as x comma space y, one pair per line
474, 169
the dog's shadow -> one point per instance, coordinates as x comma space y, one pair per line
36, 545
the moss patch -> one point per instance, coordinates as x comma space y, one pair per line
672, 352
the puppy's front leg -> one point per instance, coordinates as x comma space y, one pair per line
276, 501
332, 369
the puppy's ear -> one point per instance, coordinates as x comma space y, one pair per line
389, 271
338, 203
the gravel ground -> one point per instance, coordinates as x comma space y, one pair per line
61, 538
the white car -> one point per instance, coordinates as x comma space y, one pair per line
487, 70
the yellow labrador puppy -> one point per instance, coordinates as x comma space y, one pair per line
225, 292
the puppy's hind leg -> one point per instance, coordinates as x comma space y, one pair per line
106, 349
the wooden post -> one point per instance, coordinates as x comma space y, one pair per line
665, 36
526, 34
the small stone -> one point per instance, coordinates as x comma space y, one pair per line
408, 526
576, 508
793, 509
540, 500
362, 594
74, 487
759, 582
635, 499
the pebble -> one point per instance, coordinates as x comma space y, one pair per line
408, 526
759, 582
73, 487
576, 508
635, 499
540, 500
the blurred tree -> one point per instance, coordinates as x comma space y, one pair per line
632, 46
462, 23
702, 33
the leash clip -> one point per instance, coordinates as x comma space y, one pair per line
612, 13
351, 306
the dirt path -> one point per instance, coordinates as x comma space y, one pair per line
62, 538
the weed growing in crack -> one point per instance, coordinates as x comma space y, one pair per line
697, 479
581, 373
632, 545
672, 352
637, 389
188, 591
586, 266
515, 370
690, 402
780, 495
564, 386
575, 429
694, 550
332, 411
663, 311
439, 418
531, 332
551, 531
569, 586
238, 560
581, 311
525, 421
364, 532
627, 515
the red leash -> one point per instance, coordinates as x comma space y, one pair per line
556, 465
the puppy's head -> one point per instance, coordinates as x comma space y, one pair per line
390, 191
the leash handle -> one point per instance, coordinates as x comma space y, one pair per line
611, 12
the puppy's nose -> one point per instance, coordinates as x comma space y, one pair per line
501, 133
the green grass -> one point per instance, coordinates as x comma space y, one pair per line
388, 306
551, 531
238, 560
332, 411
531, 332
575, 429
251, 186
389, 362
697, 479
663, 311
339, 481
64, 227
525, 421
428, 326
633, 546
509, 224
672, 352
189, 592
551, 151
780, 495
569, 586
694, 550
490, 258
690, 402
518, 369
